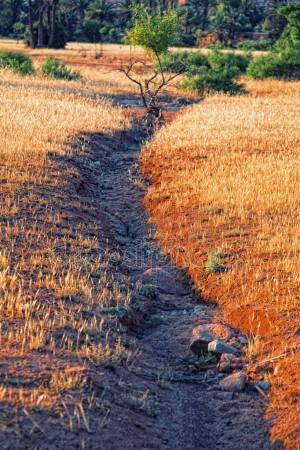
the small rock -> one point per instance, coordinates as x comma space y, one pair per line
164, 281
220, 347
203, 334
229, 362
264, 385
210, 373
234, 383
242, 340
228, 395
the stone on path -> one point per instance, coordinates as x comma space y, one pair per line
235, 382
229, 362
218, 346
164, 281
264, 385
205, 333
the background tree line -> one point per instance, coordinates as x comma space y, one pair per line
51, 23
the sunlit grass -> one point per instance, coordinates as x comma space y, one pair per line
226, 174
55, 278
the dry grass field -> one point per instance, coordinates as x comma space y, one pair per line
57, 280
225, 200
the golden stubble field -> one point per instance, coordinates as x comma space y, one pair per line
56, 277
225, 199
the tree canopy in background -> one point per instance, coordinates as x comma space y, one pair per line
51, 23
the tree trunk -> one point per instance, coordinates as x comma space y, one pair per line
40, 42
30, 20
48, 19
52, 23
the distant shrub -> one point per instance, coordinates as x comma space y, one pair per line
55, 69
218, 74
261, 44
280, 65
219, 59
16, 61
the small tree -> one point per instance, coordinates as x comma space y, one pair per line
155, 32
19, 30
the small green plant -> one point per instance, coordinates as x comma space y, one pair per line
115, 310
16, 61
55, 69
155, 320
149, 290
213, 264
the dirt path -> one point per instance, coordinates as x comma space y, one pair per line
185, 407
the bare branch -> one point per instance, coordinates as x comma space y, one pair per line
134, 80
165, 81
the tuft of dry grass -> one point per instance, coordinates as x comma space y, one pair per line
226, 174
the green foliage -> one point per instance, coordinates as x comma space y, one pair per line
278, 65
16, 61
155, 32
217, 60
149, 290
115, 310
261, 44
19, 29
91, 30
55, 69
273, 23
59, 38
175, 61
290, 37
155, 320
229, 19
216, 72
284, 61
213, 264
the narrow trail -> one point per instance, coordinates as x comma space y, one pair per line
190, 411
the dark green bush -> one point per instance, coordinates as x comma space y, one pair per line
280, 65
218, 60
216, 72
220, 74
16, 61
211, 80
55, 69
261, 44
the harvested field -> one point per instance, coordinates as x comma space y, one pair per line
225, 201
58, 278
94, 356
